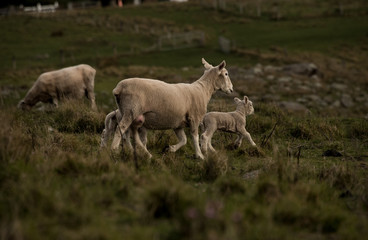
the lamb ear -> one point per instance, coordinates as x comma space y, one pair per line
245, 99
221, 65
206, 64
236, 100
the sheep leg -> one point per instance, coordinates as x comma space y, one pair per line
55, 102
126, 139
90, 89
210, 145
121, 129
182, 140
194, 132
103, 139
246, 134
138, 142
143, 135
238, 141
206, 139
203, 143
91, 97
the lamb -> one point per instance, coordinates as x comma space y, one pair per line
111, 122
233, 122
71, 82
169, 106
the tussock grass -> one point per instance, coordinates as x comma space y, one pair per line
63, 180
75, 117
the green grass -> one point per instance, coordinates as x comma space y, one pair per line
55, 181
90, 36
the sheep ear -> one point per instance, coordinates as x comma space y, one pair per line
236, 100
246, 99
206, 64
221, 65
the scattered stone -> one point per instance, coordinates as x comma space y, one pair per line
347, 101
361, 98
270, 77
251, 175
303, 89
336, 104
297, 81
293, 107
285, 79
270, 69
308, 69
257, 70
317, 85
328, 99
339, 87
314, 98
270, 98
302, 100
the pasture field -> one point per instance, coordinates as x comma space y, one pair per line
307, 178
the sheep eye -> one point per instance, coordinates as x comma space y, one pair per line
226, 74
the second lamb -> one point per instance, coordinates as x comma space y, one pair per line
233, 122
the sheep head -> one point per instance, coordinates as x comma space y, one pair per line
23, 106
222, 80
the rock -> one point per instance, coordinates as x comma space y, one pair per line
308, 69
297, 82
270, 77
257, 70
284, 79
270, 98
347, 101
336, 104
317, 85
339, 87
270, 69
314, 98
252, 174
303, 89
293, 107
302, 100
361, 98
328, 99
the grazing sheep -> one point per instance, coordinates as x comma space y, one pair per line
233, 122
169, 106
111, 122
71, 82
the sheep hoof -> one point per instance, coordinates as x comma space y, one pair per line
200, 156
115, 149
171, 149
166, 149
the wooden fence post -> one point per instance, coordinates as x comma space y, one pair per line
14, 61
259, 8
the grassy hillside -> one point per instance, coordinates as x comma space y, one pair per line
307, 179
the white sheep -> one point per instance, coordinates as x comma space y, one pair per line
233, 122
169, 106
111, 122
71, 82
